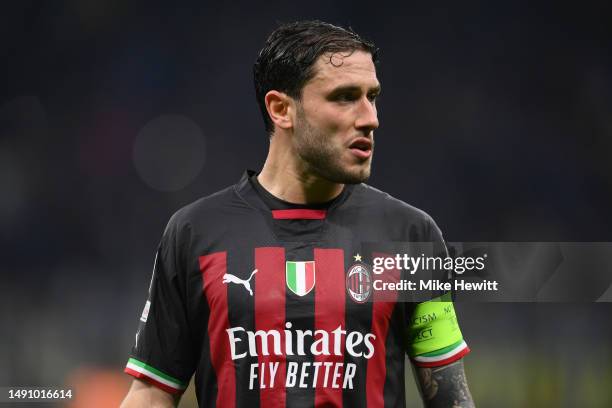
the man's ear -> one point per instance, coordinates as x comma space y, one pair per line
280, 107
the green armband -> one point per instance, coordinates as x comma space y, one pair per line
433, 333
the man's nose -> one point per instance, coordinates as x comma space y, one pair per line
367, 118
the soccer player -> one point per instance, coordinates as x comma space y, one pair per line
260, 289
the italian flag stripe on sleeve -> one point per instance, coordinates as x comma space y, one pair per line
143, 371
443, 356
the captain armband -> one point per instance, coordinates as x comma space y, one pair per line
434, 337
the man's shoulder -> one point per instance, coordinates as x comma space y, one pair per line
400, 220
214, 209
391, 206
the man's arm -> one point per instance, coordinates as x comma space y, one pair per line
444, 386
142, 394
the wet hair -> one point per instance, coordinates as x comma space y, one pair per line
286, 62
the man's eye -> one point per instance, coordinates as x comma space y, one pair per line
345, 97
372, 97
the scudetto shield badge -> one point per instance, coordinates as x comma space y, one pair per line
359, 283
300, 276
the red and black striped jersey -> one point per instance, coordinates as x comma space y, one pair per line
264, 306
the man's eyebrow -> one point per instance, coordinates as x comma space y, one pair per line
353, 88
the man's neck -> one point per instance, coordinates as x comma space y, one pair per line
287, 181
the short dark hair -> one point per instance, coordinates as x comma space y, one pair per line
286, 62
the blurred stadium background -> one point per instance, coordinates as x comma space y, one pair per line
495, 118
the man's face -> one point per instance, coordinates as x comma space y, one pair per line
336, 118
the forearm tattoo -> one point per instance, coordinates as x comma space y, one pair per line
444, 387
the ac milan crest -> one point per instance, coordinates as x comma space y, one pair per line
359, 283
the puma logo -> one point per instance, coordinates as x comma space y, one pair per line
228, 277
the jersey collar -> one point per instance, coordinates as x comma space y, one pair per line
246, 191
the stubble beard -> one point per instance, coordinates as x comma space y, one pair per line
321, 156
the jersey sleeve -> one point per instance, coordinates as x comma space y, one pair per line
163, 353
433, 333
